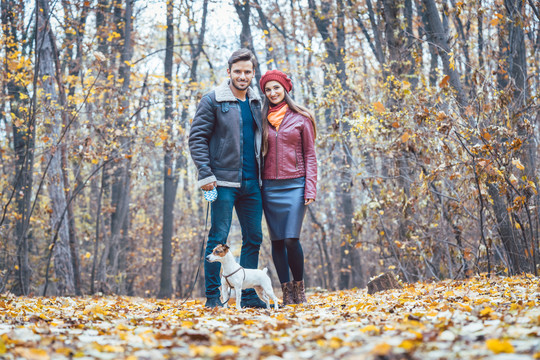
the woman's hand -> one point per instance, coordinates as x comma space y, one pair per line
308, 201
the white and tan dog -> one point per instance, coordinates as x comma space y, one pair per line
236, 277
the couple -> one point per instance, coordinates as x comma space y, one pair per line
239, 144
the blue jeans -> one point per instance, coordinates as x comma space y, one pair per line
248, 204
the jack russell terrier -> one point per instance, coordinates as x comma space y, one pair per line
238, 278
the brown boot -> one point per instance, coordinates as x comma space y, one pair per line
299, 295
288, 293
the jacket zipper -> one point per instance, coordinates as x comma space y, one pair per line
276, 155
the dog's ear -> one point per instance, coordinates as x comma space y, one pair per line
226, 246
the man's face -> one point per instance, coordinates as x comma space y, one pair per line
241, 74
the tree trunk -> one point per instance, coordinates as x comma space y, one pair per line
268, 43
440, 38
23, 146
506, 231
515, 63
170, 181
53, 128
120, 186
243, 9
335, 59
72, 40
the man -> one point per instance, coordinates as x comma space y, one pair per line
225, 145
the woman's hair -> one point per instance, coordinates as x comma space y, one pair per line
294, 107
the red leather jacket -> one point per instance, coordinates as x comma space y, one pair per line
291, 152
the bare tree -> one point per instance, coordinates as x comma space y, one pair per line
49, 75
24, 132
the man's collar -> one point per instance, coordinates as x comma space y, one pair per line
224, 93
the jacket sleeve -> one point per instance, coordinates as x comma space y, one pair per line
201, 131
310, 159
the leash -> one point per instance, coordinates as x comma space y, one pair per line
201, 256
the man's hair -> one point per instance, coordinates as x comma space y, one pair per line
242, 55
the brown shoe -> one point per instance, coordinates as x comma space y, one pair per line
299, 295
288, 293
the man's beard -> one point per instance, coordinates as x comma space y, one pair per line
239, 88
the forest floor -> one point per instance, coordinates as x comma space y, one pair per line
495, 318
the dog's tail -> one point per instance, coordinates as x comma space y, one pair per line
265, 270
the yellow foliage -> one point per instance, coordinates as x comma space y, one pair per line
498, 346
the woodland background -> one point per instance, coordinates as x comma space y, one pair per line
427, 116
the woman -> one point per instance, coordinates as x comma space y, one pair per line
289, 178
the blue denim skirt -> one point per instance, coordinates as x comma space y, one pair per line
283, 205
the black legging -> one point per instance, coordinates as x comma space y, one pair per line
287, 254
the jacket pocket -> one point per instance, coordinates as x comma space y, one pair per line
219, 151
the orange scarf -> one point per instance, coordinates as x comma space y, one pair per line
276, 117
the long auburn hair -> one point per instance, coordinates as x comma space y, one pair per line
294, 107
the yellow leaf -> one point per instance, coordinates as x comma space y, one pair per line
225, 349
2, 347
486, 136
87, 255
379, 107
32, 354
494, 22
405, 137
498, 346
335, 343
395, 124
518, 164
370, 328
113, 348
486, 311
407, 345
381, 349
64, 351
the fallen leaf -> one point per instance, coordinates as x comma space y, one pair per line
498, 346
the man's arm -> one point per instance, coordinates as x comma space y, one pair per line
201, 131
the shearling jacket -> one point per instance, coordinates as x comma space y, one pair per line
215, 138
291, 152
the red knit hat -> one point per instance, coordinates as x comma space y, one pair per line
276, 75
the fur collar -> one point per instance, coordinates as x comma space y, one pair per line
224, 93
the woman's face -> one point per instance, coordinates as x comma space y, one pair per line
275, 93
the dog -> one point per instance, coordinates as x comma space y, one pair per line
236, 277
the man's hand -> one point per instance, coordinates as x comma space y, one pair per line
308, 201
209, 186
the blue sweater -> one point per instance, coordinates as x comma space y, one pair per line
249, 166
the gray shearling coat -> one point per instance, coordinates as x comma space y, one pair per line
215, 138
